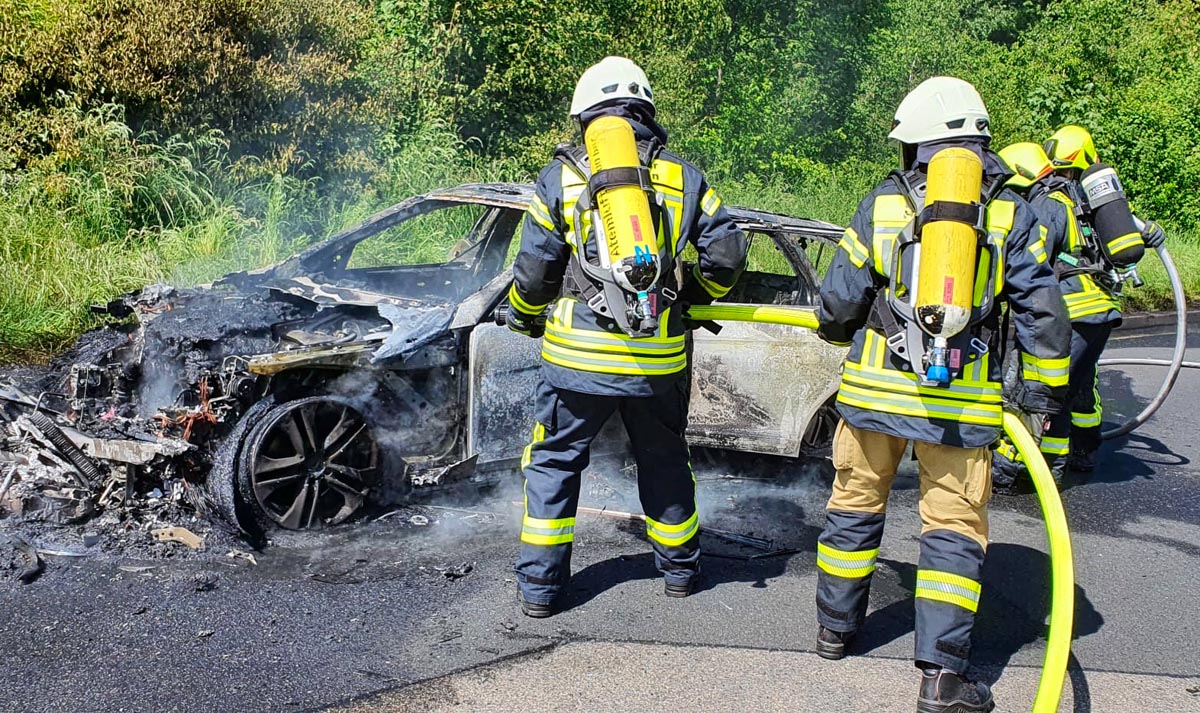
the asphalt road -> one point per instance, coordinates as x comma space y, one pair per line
353, 620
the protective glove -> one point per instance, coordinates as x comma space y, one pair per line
1153, 235
523, 324
1035, 423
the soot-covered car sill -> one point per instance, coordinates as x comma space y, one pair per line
294, 395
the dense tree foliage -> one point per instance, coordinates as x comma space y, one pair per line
175, 130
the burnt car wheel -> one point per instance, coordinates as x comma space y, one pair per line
818, 437
308, 464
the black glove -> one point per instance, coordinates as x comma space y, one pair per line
523, 324
1153, 235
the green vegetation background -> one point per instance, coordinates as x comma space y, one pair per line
146, 140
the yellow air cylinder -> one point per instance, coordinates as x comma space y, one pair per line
946, 278
624, 210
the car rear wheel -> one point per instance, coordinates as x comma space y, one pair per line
818, 436
309, 463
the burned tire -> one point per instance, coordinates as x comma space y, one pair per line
307, 464
818, 436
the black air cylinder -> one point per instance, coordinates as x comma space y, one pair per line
1117, 234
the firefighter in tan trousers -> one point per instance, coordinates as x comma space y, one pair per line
886, 405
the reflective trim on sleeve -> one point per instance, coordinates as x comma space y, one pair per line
948, 588
540, 213
673, 535
845, 563
1038, 248
1051, 372
854, 248
710, 203
517, 302
716, 289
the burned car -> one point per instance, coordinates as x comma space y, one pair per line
362, 370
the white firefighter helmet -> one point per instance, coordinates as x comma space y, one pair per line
610, 78
940, 108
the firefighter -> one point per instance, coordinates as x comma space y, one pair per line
885, 404
591, 366
1031, 168
1092, 297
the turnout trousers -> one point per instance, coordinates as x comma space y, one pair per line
1077, 427
567, 422
955, 488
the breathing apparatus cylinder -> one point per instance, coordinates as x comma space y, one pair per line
1117, 235
629, 244
946, 275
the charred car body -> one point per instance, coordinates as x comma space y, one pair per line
346, 374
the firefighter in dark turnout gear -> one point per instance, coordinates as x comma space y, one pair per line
591, 368
1073, 435
1092, 300
885, 405
1032, 174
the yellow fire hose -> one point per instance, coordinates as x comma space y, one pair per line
1062, 595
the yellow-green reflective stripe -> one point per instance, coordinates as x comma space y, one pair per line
1052, 372
986, 392
1124, 242
889, 216
540, 213
539, 435
948, 588
853, 247
900, 404
846, 564
713, 288
594, 343
710, 203
536, 531
673, 535
597, 363
533, 538
515, 299
1007, 450
1055, 446
1038, 247
1090, 309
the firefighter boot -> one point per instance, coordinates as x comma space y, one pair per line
944, 691
832, 644
1083, 461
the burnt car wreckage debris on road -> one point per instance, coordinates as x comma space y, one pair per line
290, 397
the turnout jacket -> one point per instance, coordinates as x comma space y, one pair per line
879, 390
583, 351
1087, 302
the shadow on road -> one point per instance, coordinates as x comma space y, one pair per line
721, 561
1013, 612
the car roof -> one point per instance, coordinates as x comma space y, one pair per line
518, 195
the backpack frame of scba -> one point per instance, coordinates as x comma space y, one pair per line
631, 290
895, 309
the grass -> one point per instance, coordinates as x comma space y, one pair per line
110, 211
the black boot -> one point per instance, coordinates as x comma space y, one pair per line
832, 644
944, 691
1083, 461
679, 591
536, 610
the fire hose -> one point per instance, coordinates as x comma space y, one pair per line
1174, 365
1062, 594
